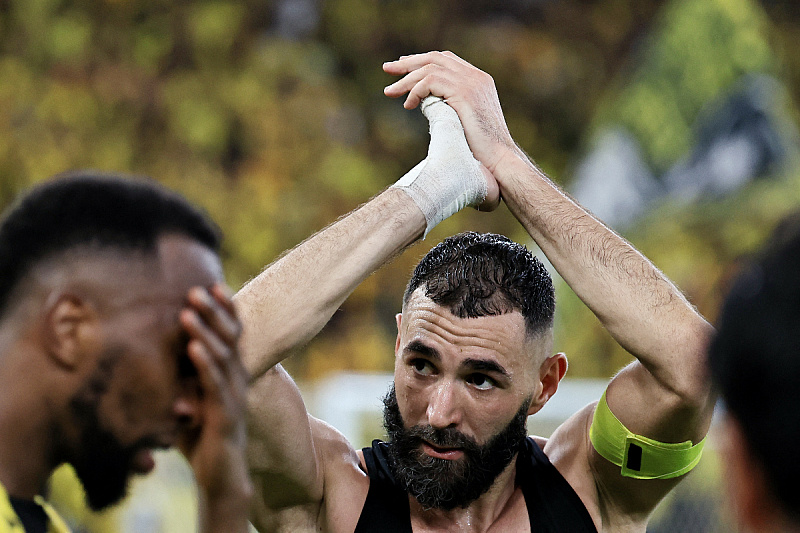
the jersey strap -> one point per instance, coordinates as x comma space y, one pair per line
10, 522
640, 457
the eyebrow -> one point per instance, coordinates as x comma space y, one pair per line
485, 365
475, 365
423, 349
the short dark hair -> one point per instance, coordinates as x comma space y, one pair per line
484, 274
755, 360
95, 209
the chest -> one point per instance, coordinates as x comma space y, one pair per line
511, 518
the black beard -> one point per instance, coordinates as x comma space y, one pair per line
102, 463
442, 483
103, 466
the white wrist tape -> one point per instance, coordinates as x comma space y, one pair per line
450, 178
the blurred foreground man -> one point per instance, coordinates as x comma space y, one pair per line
755, 362
474, 353
117, 337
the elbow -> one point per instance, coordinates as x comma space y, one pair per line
691, 379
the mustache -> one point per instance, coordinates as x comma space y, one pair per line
442, 438
440, 483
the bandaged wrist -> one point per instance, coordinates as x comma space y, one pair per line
640, 457
450, 177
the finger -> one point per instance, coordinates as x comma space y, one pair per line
408, 63
433, 84
407, 82
212, 381
216, 312
224, 353
199, 331
225, 390
454, 57
431, 79
224, 296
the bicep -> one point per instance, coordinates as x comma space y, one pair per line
615, 502
282, 454
650, 410
297, 461
646, 407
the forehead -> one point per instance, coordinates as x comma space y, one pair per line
159, 283
185, 263
150, 302
501, 337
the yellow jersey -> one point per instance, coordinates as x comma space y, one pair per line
10, 522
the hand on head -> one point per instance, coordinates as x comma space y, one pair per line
215, 444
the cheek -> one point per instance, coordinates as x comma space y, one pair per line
145, 397
411, 400
491, 417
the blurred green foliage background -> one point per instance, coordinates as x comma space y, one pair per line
270, 115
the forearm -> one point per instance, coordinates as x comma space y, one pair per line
638, 305
291, 300
224, 515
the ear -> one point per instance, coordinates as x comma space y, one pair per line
551, 372
747, 485
70, 328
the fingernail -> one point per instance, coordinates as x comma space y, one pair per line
200, 294
224, 289
187, 316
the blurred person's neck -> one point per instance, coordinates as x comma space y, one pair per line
27, 454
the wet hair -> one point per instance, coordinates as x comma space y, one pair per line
95, 210
755, 360
474, 275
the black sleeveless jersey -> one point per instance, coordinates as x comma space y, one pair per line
553, 505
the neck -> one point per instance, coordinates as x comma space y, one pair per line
27, 445
478, 515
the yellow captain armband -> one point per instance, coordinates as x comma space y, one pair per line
640, 457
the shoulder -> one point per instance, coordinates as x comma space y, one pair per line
570, 441
343, 488
342, 465
570, 451
541, 442
345, 480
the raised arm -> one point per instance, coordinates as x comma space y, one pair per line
283, 308
292, 299
665, 394
296, 459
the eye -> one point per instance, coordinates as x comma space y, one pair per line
481, 381
186, 368
422, 366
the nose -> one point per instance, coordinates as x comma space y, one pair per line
443, 406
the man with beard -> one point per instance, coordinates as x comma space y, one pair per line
117, 337
473, 356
